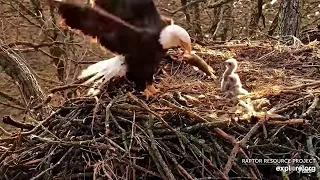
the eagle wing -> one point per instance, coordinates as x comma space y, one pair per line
111, 31
140, 13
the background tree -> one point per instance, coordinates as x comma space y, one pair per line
289, 17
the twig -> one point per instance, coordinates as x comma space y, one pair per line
92, 142
45, 102
186, 6
199, 153
68, 86
301, 86
54, 166
10, 121
230, 46
155, 160
141, 103
115, 144
11, 99
200, 126
142, 169
36, 46
285, 107
4, 132
178, 166
253, 130
39, 126
13, 106
241, 143
16, 68
225, 135
312, 151
108, 114
156, 152
183, 110
231, 159
312, 108
287, 122
219, 3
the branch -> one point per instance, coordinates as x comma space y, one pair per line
219, 3
312, 108
40, 45
16, 68
8, 120
11, 99
52, 167
186, 6
301, 86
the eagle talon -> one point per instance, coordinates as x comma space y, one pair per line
150, 91
153, 89
147, 93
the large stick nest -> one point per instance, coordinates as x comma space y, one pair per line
188, 131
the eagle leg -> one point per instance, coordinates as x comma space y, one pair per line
150, 91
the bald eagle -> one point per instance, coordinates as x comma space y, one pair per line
131, 28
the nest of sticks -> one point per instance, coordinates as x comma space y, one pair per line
187, 132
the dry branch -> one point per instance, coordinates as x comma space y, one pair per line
219, 3
16, 68
17, 124
11, 99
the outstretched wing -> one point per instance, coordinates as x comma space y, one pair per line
112, 32
140, 13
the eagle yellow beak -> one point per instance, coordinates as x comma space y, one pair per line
186, 46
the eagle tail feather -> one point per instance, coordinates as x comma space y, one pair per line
106, 69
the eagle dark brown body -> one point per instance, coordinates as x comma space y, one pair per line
132, 28
142, 50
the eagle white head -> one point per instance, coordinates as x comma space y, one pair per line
174, 35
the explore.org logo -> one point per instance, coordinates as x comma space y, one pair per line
298, 169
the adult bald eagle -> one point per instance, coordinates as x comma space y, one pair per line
131, 28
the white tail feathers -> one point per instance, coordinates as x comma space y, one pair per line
106, 69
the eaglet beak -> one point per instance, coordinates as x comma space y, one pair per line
186, 46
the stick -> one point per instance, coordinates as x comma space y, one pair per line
156, 152
4, 132
68, 86
301, 86
288, 122
52, 167
8, 120
312, 108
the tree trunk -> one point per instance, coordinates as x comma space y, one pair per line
255, 17
196, 22
185, 11
19, 71
225, 22
289, 17
274, 24
215, 20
